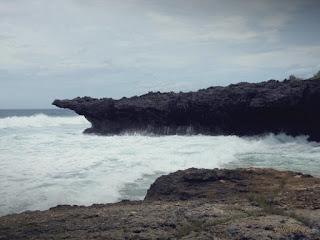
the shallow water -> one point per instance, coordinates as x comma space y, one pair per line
45, 160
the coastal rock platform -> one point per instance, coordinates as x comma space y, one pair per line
195, 203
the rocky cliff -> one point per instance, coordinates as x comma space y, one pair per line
290, 106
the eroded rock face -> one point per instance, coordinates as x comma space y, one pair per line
291, 106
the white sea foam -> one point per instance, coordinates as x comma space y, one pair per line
57, 164
40, 120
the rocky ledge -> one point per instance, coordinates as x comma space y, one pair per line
290, 106
192, 204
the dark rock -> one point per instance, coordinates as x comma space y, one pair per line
291, 106
269, 227
200, 175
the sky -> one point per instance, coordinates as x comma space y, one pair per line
62, 49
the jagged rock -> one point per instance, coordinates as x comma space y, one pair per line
291, 106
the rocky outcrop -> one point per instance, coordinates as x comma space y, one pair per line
192, 204
227, 185
291, 106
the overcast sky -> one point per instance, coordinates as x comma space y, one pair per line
69, 48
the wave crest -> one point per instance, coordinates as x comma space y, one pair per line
41, 120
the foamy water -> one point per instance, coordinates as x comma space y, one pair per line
40, 120
46, 160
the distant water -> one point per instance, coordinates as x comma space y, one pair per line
45, 160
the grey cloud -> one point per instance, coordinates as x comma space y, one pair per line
131, 46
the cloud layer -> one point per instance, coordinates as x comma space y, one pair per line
62, 49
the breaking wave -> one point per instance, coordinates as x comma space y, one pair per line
41, 169
41, 120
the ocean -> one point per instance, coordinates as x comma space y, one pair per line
45, 160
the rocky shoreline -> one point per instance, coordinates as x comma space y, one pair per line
243, 109
191, 204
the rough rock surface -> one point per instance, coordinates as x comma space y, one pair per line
192, 204
291, 106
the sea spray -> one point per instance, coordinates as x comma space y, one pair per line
40, 120
50, 162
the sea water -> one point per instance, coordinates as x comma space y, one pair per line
45, 160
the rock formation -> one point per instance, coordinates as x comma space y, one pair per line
191, 204
290, 106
